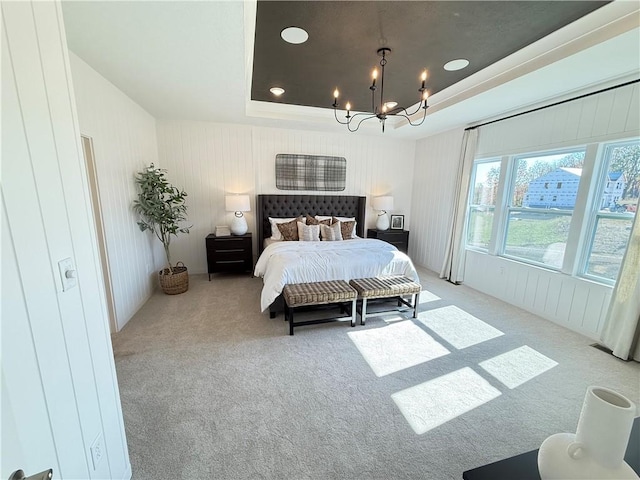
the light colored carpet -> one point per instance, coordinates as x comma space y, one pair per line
212, 388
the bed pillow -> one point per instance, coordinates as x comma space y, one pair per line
347, 226
308, 233
289, 230
331, 233
275, 232
314, 221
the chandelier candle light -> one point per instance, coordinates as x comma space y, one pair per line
237, 204
383, 110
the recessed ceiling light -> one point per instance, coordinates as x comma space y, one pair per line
454, 65
277, 91
391, 104
294, 35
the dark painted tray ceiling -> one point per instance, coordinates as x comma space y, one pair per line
344, 37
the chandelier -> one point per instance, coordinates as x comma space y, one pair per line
382, 110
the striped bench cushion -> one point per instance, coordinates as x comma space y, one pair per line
317, 293
381, 287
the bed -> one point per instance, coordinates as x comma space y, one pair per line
282, 263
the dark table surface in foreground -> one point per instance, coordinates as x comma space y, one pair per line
525, 465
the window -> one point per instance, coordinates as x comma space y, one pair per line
612, 218
537, 232
482, 202
581, 229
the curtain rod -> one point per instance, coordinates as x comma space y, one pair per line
554, 104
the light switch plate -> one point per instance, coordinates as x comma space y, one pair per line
69, 280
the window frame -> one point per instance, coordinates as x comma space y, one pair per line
470, 206
593, 214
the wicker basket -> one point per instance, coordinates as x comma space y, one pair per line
178, 282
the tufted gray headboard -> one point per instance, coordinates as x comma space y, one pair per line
294, 205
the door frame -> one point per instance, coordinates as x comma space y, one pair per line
96, 208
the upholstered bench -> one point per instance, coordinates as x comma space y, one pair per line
318, 293
386, 287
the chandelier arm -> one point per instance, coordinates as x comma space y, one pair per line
409, 118
360, 122
335, 114
420, 105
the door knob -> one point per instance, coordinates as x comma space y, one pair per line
19, 475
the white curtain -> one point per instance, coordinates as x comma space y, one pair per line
622, 325
453, 267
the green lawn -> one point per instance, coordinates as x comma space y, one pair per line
524, 230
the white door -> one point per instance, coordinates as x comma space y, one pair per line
60, 400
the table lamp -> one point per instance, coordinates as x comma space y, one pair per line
237, 204
382, 204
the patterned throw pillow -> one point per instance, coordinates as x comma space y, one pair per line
331, 233
314, 221
347, 228
289, 230
308, 233
275, 233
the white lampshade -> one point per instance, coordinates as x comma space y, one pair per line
382, 203
237, 203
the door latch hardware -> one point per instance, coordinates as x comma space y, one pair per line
19, 475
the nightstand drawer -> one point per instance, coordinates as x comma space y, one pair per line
229, 254
230, 243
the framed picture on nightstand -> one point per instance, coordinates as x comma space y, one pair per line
397, 222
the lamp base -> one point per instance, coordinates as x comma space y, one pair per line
555, 462
238, 224
383, 221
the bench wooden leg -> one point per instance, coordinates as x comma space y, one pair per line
353, 312
363, 312
289, 315
416, 302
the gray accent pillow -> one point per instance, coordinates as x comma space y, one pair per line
331, 233
308, 233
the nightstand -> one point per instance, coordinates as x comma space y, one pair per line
233, 253
399, 238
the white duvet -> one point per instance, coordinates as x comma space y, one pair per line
282, 263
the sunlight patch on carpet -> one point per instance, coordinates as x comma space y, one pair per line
395, 347
518, 366
458, 327
426, 296
437, 401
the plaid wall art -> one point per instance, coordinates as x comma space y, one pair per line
310, 172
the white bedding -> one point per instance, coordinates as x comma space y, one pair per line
282, 263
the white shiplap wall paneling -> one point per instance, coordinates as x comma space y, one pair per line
124, 141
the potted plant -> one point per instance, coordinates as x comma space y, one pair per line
162, 208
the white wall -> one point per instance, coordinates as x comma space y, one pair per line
210, 160
58, 373
578, 304
124, 142
434, 196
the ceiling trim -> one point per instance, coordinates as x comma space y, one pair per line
605, 23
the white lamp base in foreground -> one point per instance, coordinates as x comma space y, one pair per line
555, 462
383, 221
238, 224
